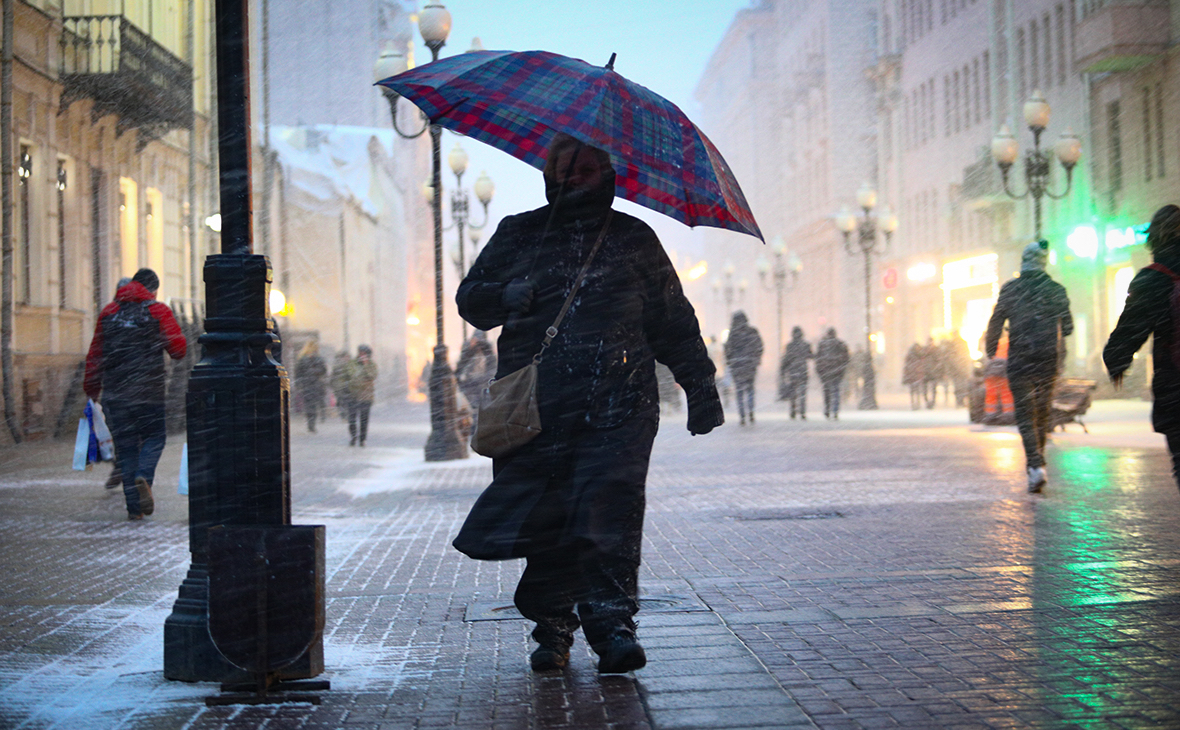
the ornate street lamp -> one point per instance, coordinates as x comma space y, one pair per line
784, 273
1005, 150
866, 228
727, 291
444, 443
460, 211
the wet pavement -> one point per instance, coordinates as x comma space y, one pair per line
889, 570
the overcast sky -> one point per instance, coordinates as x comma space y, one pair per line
662, 44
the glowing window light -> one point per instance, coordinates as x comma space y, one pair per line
1083, 242
921, 272
697, 271
970, 272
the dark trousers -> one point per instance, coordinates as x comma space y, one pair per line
745, 397
358, 420
832, 397
1032, 398
313, 412
798, 390
139, 435
585, 533
1174, 449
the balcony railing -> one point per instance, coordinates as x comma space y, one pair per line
125, 72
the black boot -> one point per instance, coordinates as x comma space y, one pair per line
620, 653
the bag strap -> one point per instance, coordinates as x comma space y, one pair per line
569, 300
1164, 270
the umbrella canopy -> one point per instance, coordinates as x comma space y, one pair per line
518, 102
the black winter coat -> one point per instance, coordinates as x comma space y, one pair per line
795, 357
1037, 311
831, 359
1148, 312
629, 312
743, 352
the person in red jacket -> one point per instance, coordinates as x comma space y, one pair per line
125, 366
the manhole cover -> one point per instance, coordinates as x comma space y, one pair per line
503, 610
768, 515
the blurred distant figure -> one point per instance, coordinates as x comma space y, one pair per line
311, 376
793, 370
932, 372
338, 381
1151, 310
125, 364
743, 354
831, 360
855, 373
913, 375
1037, 311
476, 366
362, 373
724, 383
956, 363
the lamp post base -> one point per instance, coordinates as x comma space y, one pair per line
868, 398
445, 442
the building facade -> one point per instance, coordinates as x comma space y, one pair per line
787, 101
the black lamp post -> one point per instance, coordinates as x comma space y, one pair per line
461, 208
728, 292
444, 442
784, 273
238, 438
1005, 150
866, 245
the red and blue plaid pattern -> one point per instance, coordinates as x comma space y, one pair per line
517, 102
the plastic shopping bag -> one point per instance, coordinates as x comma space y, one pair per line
92, 446
106, 445
183, 488
82, 445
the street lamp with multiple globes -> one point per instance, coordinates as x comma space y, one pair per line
727, 291
460, 210
784, 273
866, 228
1005, 150
444, 443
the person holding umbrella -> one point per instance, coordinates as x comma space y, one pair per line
584, 476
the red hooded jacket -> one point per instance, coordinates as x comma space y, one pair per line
125, 362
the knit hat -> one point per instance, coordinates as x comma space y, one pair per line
1035, 256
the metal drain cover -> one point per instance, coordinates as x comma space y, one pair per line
503, 610
771, 515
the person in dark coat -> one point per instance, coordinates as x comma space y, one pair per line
913, 374
125, 365
1037, 311
743, 355
956, 363
831, 360
1148, 311
793, 370
571, 501
476, 366
311, 377
933, 372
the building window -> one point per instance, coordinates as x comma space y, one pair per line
1148, 139
24, 173
1048, 68
1061, 65
1034, 57
946, 105
1115, 145
975, 99
1159, 130
987, 85
1022, 71
61, 183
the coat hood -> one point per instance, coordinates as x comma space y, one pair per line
133, 292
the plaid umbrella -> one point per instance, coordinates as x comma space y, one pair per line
517, 102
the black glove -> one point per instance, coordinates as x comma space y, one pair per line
518, 295
704, 407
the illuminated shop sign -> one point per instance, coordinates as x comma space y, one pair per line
1083, 242
971, 272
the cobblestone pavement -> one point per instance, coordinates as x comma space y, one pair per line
889, 570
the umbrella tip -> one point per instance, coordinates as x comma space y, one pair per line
610, 65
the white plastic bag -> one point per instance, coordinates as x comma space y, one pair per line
81, 444
183, 488
106, 445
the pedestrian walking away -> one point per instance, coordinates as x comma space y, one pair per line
831, 360
338, 382
476, 366
1037, 311
125, 367
311, 374
743, 355
793, 370
913, 374
933, 372
362, 373
1153, 300
571, 501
